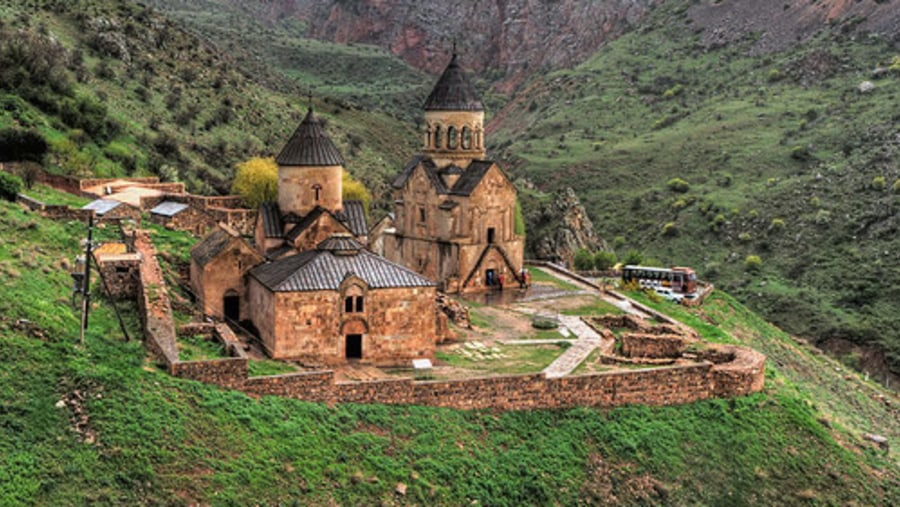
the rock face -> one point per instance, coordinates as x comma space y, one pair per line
567, 229
513, 38
779, 25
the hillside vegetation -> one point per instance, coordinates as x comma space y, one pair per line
99, 424
117, 89
702, 154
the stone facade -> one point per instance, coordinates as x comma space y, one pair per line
395, 325
302, 188
121, 273
217, 278
454, 212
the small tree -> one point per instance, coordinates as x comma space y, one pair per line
256, 181
583, 260
752, 263
878, 183
633, 257
353, 190
604, 260
10, 186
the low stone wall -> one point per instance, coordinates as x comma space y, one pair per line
652, 345
93, 182
651, 386
742, 375
30, 202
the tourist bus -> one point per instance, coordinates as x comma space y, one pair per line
679, 279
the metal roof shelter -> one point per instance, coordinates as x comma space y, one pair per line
102, 206
169, 208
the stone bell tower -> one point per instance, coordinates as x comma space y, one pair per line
309, 170
454, 119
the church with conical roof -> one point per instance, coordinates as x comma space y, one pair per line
309, 285
455, 210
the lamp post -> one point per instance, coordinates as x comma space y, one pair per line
86, 289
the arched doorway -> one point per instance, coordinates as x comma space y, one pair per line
231, 305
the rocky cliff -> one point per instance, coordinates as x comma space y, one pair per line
503, 40
560, 228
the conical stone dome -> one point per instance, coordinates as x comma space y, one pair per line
309, 146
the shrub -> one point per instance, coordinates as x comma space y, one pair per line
633, 257
604, 260
669, 229
619, 241
678, 185
752, 263
22, 145
774, 75
878, 183
539, 322
815, 202
583, 260
823, 217
897, 186
679, 204
777, 224
10, 186
744, 237
718, 221
801, 153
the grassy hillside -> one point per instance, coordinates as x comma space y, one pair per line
99, 424
363, 75
117, 89
781, 157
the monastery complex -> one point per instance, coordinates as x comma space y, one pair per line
309, 283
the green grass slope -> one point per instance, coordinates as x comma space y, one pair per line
784, 158
118, 89
127, 433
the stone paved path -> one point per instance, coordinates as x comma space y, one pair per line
587, 341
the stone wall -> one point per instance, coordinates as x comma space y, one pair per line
652, 386
652, 345
121, 274
730, 371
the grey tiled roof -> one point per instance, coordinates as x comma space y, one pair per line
210, 246
465, 185
169, 208
102, 206
431, 171
271, 220
309, 146
324, 269
304, 222
453, 91
354, 217
471, 177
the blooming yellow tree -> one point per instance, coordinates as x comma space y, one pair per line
354, 190
256, 181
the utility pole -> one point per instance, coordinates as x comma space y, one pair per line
86, 300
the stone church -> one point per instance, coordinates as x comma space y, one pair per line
308, 284
454, 211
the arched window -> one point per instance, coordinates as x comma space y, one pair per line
452, 138
438, 137
317, 189
466, 138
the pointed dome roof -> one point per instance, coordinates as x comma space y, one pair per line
453, 91
309, 146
